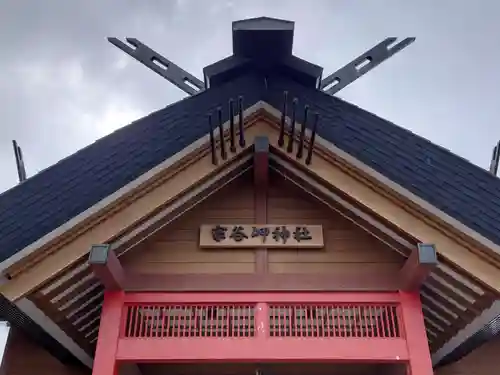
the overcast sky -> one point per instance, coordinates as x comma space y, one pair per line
62, 85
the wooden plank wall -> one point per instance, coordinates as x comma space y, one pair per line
348, 249
175, 248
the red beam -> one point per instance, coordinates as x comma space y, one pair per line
418, 266
261, 186
327, 282
262, 350
106, 267
235, 298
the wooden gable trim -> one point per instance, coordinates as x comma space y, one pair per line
159, 199
378, 227
466, 236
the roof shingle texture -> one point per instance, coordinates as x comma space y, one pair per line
52, 197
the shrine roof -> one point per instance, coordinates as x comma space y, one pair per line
52, 197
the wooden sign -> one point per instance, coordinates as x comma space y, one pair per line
270, 236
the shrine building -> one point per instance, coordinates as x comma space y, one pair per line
260, 226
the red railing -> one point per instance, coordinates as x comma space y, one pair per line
334, 320
284, 320
261, 327
171, 321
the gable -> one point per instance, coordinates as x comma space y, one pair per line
348, 248
458, 188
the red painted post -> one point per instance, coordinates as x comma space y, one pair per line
109, 331
420, 362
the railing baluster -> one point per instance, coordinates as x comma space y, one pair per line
300, 320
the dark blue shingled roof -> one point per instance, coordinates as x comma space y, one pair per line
54, 196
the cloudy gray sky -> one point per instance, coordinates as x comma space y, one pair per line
62, 85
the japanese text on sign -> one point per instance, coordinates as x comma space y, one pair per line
261, 236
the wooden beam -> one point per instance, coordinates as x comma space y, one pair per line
106, 267
418, 267
261, 187
376, 281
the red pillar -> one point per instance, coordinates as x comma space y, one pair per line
420, 362
109, 331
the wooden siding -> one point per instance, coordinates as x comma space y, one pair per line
24, 357
348, 249
175, 249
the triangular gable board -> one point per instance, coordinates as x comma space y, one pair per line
348, 248
321, 168
430, 174
464, 255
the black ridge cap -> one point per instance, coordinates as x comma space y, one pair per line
263, 44
263, 38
